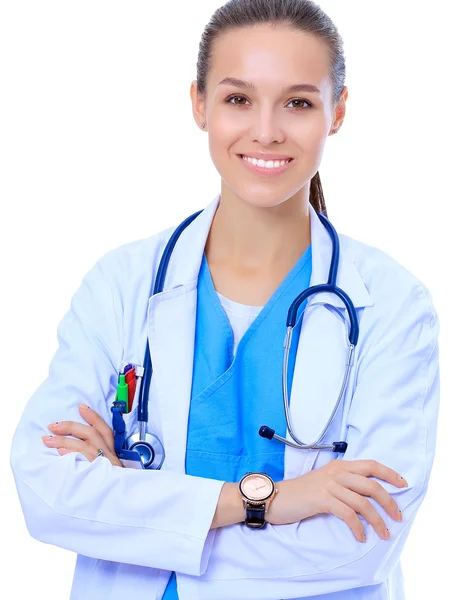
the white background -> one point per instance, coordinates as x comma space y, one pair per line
99, 147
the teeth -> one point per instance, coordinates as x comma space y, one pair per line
269, 164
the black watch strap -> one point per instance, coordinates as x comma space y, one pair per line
255, 516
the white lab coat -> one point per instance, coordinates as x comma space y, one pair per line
130, 528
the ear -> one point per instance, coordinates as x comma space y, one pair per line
340, 109
197, 101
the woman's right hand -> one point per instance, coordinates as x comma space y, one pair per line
339, 488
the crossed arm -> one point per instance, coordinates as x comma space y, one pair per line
100, 510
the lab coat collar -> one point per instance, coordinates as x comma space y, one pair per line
188, 254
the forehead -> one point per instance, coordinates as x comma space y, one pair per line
270, 57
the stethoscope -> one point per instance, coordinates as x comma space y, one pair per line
149, 446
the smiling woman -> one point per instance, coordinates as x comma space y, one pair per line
233, 330
274, 45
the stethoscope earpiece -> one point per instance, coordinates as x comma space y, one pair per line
269, 433
266, 432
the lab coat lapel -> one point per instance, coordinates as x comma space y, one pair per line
171, 332
322, 351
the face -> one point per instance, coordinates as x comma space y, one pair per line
268, 119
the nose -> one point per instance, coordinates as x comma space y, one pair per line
266, 128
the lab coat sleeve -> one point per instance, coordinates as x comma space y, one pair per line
393, 420
151, 518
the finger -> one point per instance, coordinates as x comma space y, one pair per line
95, 419
66, 445
369, 487
75, 445
349, 516
359, 504
376, 469
80, 431
111, 457
64, 451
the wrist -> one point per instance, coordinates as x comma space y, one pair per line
230, 509
275, 512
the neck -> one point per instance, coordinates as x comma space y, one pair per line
258, 238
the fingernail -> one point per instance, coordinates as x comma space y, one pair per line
402, 479
387, 535
46, 437
53, 425
85, 406
363, 538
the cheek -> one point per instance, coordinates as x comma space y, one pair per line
226, 126
222, 145
312, 141
313, 133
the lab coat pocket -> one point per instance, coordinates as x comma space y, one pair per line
130, 418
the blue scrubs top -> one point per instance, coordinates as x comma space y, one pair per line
232, 397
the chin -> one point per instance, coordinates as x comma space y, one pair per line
263, 198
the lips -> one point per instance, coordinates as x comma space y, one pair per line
263, 171
265, 159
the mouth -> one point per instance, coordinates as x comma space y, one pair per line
261, 169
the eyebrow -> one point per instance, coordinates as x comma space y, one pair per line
298, 87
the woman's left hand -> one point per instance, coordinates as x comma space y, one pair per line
90, 438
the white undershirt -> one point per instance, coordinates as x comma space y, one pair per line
240, 317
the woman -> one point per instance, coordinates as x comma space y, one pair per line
334, 529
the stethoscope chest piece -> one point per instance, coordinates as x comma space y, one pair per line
150, 449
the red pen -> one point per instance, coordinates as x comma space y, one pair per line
131, 381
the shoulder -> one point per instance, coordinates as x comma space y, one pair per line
128, 271
383, 276
136, 258
401, 300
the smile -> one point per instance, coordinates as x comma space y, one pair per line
262, 167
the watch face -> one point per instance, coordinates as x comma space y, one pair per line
256, 487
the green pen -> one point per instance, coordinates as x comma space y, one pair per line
123, 392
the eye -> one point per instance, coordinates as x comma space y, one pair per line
301, 100
229, 98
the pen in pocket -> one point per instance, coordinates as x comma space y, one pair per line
131, 381
122, 392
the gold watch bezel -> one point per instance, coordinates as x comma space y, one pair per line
252, 501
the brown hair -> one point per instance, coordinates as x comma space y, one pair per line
303, 15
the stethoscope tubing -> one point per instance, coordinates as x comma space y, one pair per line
331, 287
298, 443
146, 439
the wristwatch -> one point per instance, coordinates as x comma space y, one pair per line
257, 491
